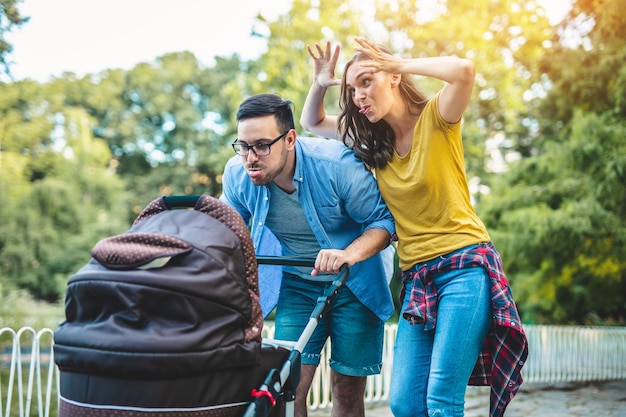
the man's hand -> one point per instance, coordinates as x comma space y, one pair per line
371, 242
330, 261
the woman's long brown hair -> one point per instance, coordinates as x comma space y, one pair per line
373, 142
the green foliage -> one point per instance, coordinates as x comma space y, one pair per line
286, 67
56, 189
159, 121
558, 217
559, 221
586, 67
81, 157
19, 309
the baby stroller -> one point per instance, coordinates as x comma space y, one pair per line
165, 320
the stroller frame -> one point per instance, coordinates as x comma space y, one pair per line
285, 380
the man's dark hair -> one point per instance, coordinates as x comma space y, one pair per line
268, 104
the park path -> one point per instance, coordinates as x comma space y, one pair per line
598, 399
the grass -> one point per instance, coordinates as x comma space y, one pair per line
18, 309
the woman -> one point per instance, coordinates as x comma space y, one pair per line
459, 322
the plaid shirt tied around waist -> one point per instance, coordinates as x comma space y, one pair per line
505, 348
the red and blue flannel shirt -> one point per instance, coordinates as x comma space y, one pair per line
505, 348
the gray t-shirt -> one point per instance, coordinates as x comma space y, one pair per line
287, 221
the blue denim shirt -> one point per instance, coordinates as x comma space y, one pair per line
340, 199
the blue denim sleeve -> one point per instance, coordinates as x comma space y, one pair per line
232, 187
362, 198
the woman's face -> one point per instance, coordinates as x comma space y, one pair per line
370, 91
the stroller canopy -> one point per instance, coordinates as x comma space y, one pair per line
176, 295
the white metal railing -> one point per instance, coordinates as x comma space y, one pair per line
575, 354
28, 341
557, 354
377, 389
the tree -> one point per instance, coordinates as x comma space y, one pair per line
585, 64
162, 121
286, 68
58, 192
10, 18
559, 216
558, 219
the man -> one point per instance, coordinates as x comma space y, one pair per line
318, 199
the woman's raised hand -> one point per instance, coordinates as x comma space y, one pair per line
325, 62
380, 60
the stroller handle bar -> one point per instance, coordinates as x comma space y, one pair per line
181, 201
285, 260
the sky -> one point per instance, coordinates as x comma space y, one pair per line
87, 36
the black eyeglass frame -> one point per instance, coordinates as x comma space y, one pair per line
244, 148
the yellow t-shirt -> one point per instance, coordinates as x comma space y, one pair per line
427, 192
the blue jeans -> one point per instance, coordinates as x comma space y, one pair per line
431, 369
356, 334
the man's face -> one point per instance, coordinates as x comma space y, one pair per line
263, 130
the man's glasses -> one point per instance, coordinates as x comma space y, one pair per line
259, 149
